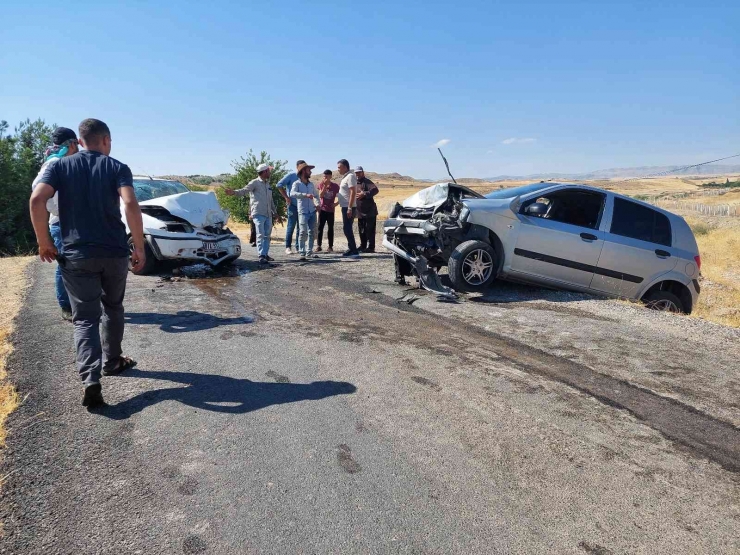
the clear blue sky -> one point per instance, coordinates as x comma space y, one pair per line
516, 87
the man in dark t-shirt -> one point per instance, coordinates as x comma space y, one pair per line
95, 252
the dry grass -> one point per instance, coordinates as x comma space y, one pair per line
719, 246
14, 286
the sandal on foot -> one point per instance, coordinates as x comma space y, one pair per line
124, 363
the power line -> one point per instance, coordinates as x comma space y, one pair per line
673, 170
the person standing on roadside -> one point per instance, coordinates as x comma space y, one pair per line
328, 191
367, 210
304, 191
64, 143
347, 201
284, 187
261, 208
95, 250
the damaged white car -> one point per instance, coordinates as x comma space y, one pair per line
559, 235
182, 225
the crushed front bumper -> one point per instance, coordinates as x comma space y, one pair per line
195, 247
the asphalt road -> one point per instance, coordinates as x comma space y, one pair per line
301, 408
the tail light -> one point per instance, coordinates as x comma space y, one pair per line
697, 259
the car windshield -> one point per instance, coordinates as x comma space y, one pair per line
518, 191
148, 189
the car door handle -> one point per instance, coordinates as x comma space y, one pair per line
662, 254
588, 237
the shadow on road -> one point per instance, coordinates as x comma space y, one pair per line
184, 320
222, 394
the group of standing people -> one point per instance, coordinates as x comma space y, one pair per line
311, 207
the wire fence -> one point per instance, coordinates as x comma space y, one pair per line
698, 207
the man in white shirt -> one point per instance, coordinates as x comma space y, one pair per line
347, 202
64, 144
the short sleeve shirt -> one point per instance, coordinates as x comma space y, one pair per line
87, 186
349, 182
326, 202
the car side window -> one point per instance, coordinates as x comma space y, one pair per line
570, 206
640, 222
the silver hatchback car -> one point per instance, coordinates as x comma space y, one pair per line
554, 234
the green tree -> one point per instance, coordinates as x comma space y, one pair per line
21, 156
245, 170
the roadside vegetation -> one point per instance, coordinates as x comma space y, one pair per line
21, 156
15, 283
719, 246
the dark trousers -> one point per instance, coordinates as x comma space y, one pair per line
347, 228
96, 287
326, 218
366, 226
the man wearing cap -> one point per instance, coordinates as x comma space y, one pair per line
95, 250
284, 187
64, 143
347, 201
261, 208
304, 191
367, 211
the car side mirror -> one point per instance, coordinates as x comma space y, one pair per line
536, 209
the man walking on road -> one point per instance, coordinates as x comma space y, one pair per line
261, 208
284, 187
64, 143
367, 210
328, 191
95, 251
347, 202
305, 193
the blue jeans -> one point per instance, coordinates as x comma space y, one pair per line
292, 223
307, 229
62, 297
263, 225
347, 227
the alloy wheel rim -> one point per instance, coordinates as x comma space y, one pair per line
477, 267
664, 305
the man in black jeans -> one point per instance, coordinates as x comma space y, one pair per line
367, 211
95, 250
348, 201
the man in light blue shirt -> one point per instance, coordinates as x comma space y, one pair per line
284, 187
305, 193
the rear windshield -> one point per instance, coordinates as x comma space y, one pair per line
148, 189
518, 191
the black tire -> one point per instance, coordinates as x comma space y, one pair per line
665, 301
151, 262
463, 275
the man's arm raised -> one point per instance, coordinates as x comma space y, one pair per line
135, 224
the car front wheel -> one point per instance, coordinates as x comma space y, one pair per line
472, 266
151, 262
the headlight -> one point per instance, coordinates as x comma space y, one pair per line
464, 214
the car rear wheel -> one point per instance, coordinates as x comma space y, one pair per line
151, 263
665, 301
472, 266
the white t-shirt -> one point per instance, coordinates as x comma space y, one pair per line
51, 204
348, 184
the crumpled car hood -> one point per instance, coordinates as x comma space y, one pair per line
199, 209
435, 195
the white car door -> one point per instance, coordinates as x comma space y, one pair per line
562, 245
